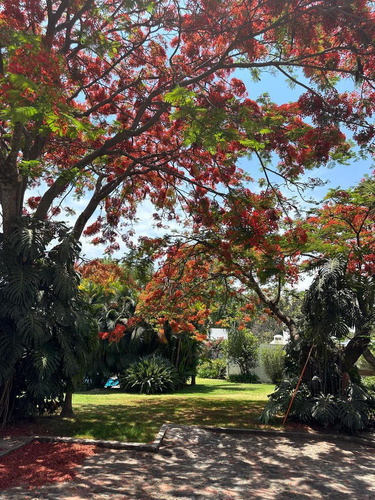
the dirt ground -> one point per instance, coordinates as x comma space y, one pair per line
195, 463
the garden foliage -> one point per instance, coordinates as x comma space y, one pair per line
150, 375
46, 330
118, 102
242, 349
272, 359
349, 411
213, 368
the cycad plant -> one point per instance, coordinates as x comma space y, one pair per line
45, 332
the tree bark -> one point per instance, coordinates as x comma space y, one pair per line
369, 357
67, 409
5, 392
355, 348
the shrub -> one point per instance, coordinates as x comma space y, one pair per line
214, 368
369, 383
150, 375
242, 350
248, 378
212, 349
350, 411
182, 350
272, 359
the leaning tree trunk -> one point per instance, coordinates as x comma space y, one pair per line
355, 348
369, 357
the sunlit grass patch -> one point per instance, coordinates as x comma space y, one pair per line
129, 417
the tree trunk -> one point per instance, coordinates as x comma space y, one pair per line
356, 347
5, 394
369, 357
67, 408
193, 382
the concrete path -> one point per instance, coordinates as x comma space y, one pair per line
194, 463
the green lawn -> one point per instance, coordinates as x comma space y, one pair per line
111, 414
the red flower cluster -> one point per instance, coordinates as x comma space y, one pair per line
114, 336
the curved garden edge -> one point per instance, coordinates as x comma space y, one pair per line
366, 439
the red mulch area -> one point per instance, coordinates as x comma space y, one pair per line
38, 463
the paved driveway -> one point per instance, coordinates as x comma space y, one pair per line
194, 463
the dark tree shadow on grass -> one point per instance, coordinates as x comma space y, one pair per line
141, 422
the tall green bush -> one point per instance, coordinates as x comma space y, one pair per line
46, 332
242, 350
272, 359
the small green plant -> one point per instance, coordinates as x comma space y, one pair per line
214, 368
150, 375
272, 359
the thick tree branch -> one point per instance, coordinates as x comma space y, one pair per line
369, 357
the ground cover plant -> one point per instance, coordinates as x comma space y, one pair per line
116, 415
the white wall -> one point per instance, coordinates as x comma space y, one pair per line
232, 369
218, 333
258, 370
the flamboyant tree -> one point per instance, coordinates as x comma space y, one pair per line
250, 242
124, 100
184, 293
117, 101
247, 240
